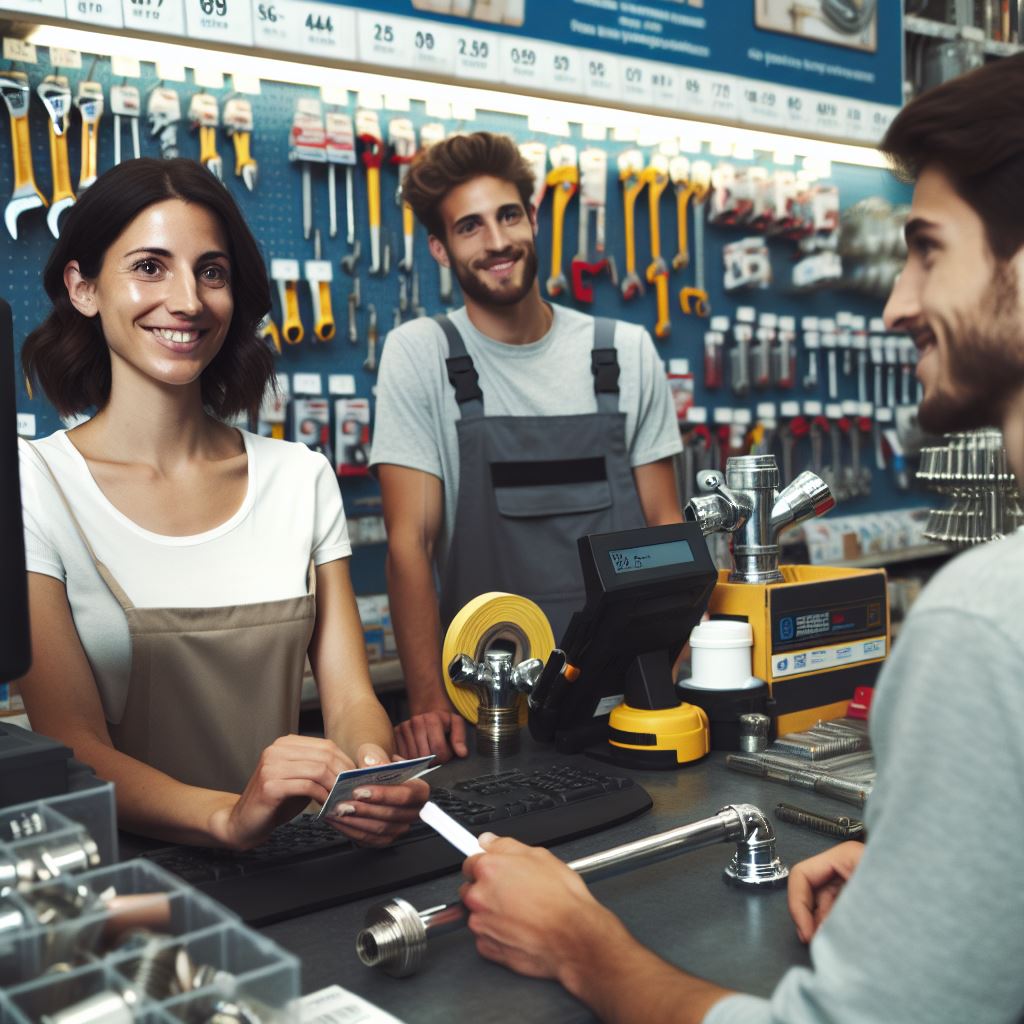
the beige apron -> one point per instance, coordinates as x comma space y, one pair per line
209, 688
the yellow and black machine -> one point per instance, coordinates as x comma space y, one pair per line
819, 632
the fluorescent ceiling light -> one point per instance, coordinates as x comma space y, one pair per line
719, 138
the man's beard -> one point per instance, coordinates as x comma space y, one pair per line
985, 356
476, 289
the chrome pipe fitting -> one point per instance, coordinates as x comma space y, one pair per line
748, 504
497, 685
394, 936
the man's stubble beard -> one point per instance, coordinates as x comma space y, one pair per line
472, 286
985, 355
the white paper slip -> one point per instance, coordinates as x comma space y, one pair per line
393, 774
336, 1005
448, 828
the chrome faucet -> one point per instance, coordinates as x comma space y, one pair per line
748, 504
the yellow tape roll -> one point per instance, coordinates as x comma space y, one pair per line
490, 620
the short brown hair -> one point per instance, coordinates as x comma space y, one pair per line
435, 171
67, 353
972, 129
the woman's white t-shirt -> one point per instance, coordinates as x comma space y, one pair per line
292, 512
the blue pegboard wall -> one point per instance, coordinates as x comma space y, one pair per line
274, 213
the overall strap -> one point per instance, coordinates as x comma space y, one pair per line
462, 373
114, 587
604, 365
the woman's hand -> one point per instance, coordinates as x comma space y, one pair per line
377, 815
292, 771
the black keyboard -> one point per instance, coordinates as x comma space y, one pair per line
306, 865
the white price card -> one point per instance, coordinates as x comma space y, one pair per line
600, 75
26, 424
477, 55
307, 384
855, 120
879, 119
164, 16
322, 29
19, 50
561, 68
62, 58
95, 12
521, 63
665, 84
393, 774
49, 8
761, 103
433, 47
797, 110
336, 1005
384, 39
272, 22
220, 21
709, 94
635, 82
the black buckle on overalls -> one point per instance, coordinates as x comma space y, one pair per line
463, 377
604, 365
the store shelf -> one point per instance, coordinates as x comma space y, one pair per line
885, 558
940, 30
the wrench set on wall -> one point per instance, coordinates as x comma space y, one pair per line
650, 224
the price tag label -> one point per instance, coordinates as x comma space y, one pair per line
307, 384
220, 21
521, 62
50, 8
600, 75
164, 16
760, 104
635, 81
561, 68
26, 424
709, 94
19, 50
665, 84
341, 384
879, 119
95, 12
797, 105
61, 58
827, 119
856, 123
384, 39
322, 29
433, 47
272, 25
477, 55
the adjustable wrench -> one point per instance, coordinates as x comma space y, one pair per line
368, 134
163, 109
286, 273
655, 177
308, 145
90, 106
694, 301
341, 149
125, 102
354, 299
238, 126
319, 276
204, 117
370, 362
630, 165
784, 353
593, 188
402, 139
26, 195
536, 155
679, 172
564, 179
56, 97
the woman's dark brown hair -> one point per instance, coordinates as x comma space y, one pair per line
67, 354
435, 171
971, 129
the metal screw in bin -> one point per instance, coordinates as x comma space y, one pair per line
754, 732
395, 934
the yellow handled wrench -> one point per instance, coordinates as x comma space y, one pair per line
286, 273
204, 117
630, 166
56, 96
90, 105
655, 177
238, 125
26, 195
372, 154
564, 181
319, 276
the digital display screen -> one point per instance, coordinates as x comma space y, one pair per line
651, 556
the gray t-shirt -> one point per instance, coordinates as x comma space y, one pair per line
931, 926
417, 411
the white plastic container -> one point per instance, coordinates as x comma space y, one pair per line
721, 653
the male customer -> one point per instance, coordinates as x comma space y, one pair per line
926, 921
506, 430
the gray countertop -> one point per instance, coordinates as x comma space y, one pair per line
680, 908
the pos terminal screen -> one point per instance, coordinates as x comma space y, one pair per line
650, 556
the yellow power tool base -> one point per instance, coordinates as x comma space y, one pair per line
665, 738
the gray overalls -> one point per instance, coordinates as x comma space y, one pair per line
531, 486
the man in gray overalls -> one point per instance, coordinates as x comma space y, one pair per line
505, 430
